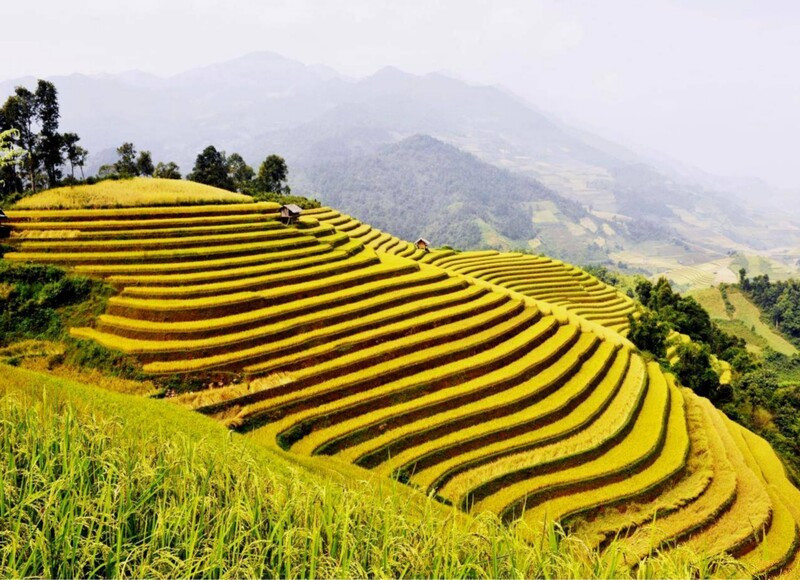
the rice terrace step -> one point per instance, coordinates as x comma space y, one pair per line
491, 381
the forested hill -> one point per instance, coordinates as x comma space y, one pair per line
424, 187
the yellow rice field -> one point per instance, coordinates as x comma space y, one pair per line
136, 192
496, 382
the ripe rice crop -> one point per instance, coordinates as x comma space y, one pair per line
550, 391
747, 517
491, 381
107, 457
635, 438
436, 461
457, 397
669, 461
630, 515
131, 193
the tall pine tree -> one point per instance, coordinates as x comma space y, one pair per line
50, 141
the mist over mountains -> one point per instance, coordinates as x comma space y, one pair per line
529, 182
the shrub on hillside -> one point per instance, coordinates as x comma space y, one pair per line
649, 333
603, 274
30, 296
303, 202
694, 371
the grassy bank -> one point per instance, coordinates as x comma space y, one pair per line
743, 319
102, 484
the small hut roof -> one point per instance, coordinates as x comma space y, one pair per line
424, 241
292, 208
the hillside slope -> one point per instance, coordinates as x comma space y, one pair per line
427, 367
424, 187
742, 318
274, 514
725, 270
110, 458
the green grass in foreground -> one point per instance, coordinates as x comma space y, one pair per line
96, 483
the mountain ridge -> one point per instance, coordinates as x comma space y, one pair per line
262, 103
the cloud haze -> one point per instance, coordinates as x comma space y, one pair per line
711, 83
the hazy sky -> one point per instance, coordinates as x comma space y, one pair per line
715, 83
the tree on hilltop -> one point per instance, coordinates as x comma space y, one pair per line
649, 332
211, 168
50, 141
34, 115
19, 113
73, 153
10, 155
694, 371
126, 164
131, 164
167, 170
144, 164
273, 176
240, 172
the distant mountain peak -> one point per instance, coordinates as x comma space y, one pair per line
251, 66
422, 141
261, 58
391, 71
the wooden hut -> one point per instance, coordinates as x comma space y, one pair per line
290, 212
422, 244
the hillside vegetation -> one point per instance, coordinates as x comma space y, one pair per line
742, 318
134, 192
493, 382
424, 187
726, 271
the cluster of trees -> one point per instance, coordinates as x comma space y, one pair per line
30, 122
133, 164
604, 275
667, 311
767, 399
685, 315
779, 301
34, 155
764, 395
231, 172
10, 153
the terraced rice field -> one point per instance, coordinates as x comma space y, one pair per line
533, 276
490, 381
136, 192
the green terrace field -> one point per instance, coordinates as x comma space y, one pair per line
492, 382
725, 270
743, 320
